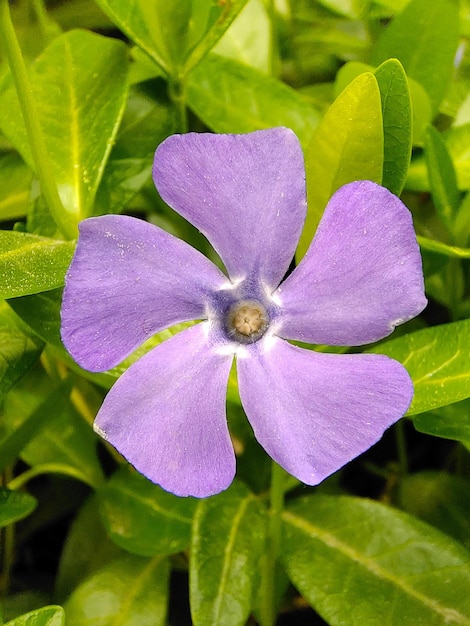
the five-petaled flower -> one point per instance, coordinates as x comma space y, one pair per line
311, 411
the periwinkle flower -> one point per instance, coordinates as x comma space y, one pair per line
311, 411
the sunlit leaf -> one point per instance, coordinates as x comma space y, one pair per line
31, 264
15, 186
80, 86
47, 616
437, 361
346, 146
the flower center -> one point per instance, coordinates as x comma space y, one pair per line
246, 321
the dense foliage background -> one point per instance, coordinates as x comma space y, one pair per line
374, 89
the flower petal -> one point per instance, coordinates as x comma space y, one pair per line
128, 280
166, 415
315, 412
246, 193
362, 274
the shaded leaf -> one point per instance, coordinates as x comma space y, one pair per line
448, 422
128, 591
227, 542
360, 562
142, 518
15, 505
15, 186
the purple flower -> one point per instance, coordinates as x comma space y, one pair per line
312, 412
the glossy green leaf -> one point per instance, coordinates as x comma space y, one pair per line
47, 616
174, 33
226, 546
440, 499
361, 562
15, 186
448, 422
346, 146
233, 98
424, 37
19, 350
15, 505
142, 518
397, 123
437, 361
442, 177
80, 88
31, 264
131, 591
146, 123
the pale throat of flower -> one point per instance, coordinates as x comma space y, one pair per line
246, 321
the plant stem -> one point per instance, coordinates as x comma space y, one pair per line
177, 92
31, 121
273, 541
401, 447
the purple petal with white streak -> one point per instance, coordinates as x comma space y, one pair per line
166, 415
314, 412
246, 193
128, 280
362, 274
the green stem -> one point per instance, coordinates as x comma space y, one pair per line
177, 92
268, 607
31, 121
401, 448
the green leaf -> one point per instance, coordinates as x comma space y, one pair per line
80, 87
87, 549
424, 37
249, 39
15, 505
19, 350
148, 120
47, 616
442, 177
346, 146
360, 562
142, 518
15, 186
448, 422
233, 98
437, 361
442, 248
18, 438
176, 34
131, 591
61, 441
31, 264
226, 546
397, 123
458, 144
440, 499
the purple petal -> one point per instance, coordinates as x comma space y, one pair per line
246, 193
362, 274
315, 412
128, 280
166, 415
